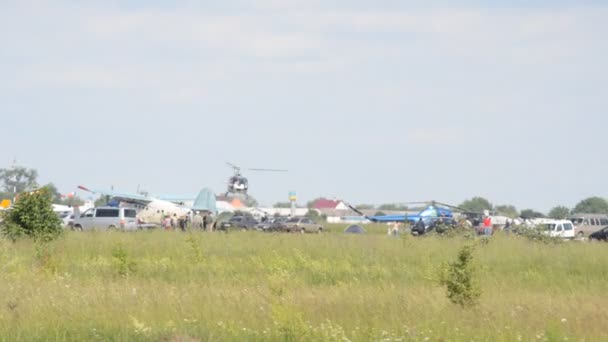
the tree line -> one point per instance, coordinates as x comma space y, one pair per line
591, 205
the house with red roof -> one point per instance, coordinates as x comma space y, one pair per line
327, 204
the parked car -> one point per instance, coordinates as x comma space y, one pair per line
558, 228
302, 225
601, 235
586, 224
107, 218
272, 224
66, 217
239, 222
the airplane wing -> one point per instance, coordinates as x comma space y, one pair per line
125, 197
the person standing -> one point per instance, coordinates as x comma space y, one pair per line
167, 222
487, 226
395, 230
197, 221
205, 221
174, 221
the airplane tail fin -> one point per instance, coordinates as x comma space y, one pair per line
205, 201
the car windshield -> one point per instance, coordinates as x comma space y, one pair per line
63, 215
293, 220
576, 221
236, 219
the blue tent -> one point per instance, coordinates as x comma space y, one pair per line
354, 229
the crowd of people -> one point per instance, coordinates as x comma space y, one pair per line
199, 221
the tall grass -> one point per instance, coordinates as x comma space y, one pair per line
253, 286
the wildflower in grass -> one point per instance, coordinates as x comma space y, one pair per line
140, 328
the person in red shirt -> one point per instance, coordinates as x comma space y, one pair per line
487, 225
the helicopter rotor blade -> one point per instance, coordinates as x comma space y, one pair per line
269, 170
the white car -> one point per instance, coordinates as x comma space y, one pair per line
558, 228
107, 218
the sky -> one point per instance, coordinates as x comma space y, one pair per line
368, 101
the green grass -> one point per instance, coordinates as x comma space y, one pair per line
174, 286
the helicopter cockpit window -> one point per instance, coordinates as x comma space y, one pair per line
429, 212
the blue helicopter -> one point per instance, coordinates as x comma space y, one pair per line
429, 218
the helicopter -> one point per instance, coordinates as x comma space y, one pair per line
429, 218
238, 184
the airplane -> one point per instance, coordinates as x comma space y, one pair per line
152, 210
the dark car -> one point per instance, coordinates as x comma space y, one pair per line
271, 225
239, 222
601, 235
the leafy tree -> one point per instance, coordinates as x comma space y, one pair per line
73, 201
476, 204
559, 213
392, 207
282, 205
531, 214
364, 206
251, 202
54, 193
19, 178
57, 198
32, 216
102, 201
313, 214
592, 205
507, 210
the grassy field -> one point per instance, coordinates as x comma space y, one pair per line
172, 286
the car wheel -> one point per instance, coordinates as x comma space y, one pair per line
320, 230
77, 228
302, 230
580, 235
112, 228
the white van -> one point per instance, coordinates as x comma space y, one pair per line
107, 218
558, 228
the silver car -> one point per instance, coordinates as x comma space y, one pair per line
585, 224
302, 225
107, 218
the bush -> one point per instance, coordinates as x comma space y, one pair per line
537, 235
32, 216
123, 265
458, 279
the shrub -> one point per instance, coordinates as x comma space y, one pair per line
32, 216
537, 235
458, 279
123, 265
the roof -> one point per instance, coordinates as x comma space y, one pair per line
323, 203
